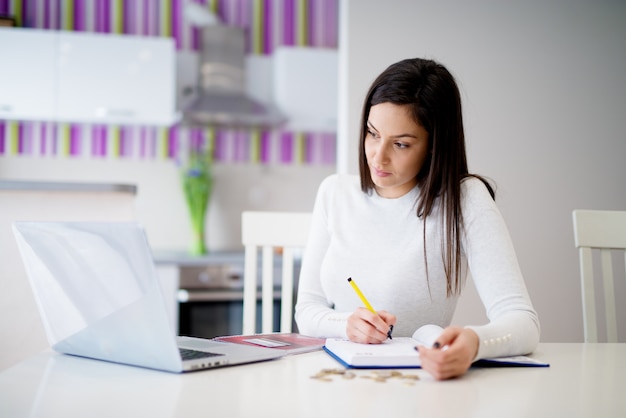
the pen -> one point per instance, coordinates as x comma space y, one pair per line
366, 303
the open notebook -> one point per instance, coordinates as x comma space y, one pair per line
99, 297
400, 353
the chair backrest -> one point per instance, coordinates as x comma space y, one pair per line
269, 231
604, 231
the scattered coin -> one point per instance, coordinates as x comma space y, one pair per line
325, 375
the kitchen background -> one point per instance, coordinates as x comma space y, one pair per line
543, 83
254, 168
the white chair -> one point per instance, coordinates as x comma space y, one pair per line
604, 231
268, 231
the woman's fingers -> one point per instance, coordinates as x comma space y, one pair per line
367, 327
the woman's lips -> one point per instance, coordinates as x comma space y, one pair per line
380, 173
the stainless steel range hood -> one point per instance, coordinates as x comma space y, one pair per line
222, 98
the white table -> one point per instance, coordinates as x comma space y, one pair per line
584, 380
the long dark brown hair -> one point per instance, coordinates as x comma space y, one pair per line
433, 95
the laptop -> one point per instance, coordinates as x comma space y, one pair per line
99, 297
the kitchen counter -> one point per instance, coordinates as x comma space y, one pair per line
22, 185
184, 258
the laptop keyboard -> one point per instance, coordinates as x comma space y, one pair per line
187, 354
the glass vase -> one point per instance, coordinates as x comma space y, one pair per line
197, 185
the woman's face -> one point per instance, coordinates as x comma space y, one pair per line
395, 147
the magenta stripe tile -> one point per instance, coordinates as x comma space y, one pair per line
46, 14
289, 28
2, 137
286, 147
243, 21
237, 145
131, 17
26, 138
106, 17
177, 23
151, 18
43, 130
142, 142
75, 136
127, 139
220, 145
80, 23
329, 149
55, 139
104, 141
190, 139
30, 137
309, 142
332, 23
200, 140
244, 138
193, 140
264, 147
153, 142
122, 144
311, 23
267, 27
25, 16
72, 135
95, 141
145, 18
205, 143
99, 16
223, 11
126, 17
57, 16
242, 13
96, 148
101, 141
20, 138
195, 39
173, 142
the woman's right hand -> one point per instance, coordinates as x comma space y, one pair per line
367, 327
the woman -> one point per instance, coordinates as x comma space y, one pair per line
409, 229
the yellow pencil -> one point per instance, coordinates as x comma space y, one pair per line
366, 303
361, 295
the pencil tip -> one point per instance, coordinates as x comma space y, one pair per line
349, 279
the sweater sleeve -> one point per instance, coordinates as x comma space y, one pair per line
513, 327
314, 313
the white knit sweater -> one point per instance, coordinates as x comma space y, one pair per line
379, 243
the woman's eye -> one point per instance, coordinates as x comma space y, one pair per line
401, 145
372, 133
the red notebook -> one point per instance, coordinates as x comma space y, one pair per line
290, 343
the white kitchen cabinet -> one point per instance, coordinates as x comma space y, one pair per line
27, 74
87, 77
305, 87
115, 78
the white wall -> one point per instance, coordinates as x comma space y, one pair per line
544, 90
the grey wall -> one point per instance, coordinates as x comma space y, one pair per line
544, 90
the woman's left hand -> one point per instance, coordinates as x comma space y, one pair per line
451, 355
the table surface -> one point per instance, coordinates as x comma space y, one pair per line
583, 380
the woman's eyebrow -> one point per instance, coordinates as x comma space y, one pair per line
403, 135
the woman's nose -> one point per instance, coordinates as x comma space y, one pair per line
381, 154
